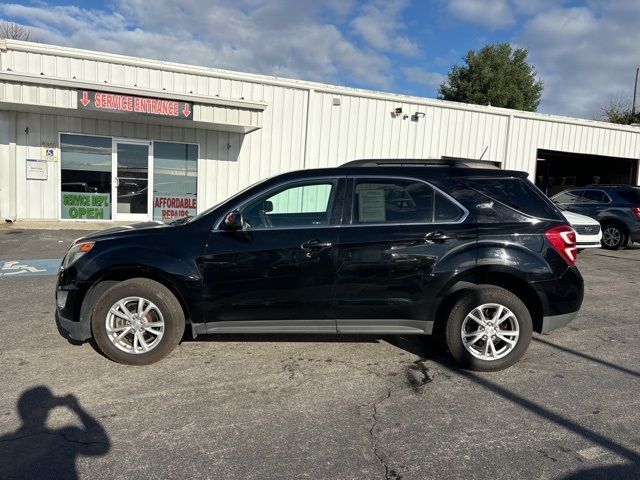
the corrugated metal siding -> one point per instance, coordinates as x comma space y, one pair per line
528, 135
365, 128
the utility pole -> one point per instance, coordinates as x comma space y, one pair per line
635, 91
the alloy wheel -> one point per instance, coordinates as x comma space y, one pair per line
611, 236
135, 325
490, 331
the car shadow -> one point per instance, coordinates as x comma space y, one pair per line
586, 356
34, 450
434, 351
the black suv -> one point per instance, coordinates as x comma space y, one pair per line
373, 247
616, 207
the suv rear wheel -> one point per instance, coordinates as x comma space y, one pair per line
613, 236
137, 322
488, 329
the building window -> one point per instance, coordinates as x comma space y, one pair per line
175, 180
85, 164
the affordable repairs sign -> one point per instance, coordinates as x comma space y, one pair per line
117, 103
172, 208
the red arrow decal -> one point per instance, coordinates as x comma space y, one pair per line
186, 111
85, 99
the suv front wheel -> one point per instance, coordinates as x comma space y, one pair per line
137, 322
488, 329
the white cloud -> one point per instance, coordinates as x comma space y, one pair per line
294, 38
379, 26
530, 7
489, 13
423, 77
584, 54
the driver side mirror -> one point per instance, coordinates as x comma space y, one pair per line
233, 221
267, 206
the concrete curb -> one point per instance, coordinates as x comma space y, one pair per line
59, 225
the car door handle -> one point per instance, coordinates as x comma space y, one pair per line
437, 237
315, 245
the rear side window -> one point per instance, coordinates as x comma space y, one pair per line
517, 194
445, 210
569, 197
378, 200
632, 195
595, 196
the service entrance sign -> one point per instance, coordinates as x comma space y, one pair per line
117, 103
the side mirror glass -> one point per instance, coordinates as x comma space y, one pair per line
233, 221
267, 206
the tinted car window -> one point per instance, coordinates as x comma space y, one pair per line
297, 205
445, 210
632, 195
569, 197
516, 193
594, 196
392, 201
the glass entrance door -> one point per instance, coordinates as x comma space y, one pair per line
131, 165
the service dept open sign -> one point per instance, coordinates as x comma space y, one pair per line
86, 206
117, 103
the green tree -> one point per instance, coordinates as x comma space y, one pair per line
496, 75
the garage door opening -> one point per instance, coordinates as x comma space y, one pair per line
557, 171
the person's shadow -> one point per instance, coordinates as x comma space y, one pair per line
36, 451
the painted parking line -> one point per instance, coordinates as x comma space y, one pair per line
27, 268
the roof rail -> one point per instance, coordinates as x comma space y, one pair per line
436, 162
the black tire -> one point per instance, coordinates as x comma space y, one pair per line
466, 303
614, 236
165, 302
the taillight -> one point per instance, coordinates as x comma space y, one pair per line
563, 239
636, 211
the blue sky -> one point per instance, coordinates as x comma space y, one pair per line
585, 51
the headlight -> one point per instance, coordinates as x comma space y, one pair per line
76, 251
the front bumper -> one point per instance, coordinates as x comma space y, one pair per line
80, 331
69, 297
580, 246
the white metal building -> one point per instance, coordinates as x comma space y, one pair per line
79, 129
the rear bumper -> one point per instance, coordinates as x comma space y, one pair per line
556, 321
561, 299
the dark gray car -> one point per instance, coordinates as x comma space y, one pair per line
616, 207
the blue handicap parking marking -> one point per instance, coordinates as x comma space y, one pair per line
27, 268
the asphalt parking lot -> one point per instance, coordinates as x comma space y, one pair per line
317, 407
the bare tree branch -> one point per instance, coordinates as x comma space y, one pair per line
14, 31
617, 109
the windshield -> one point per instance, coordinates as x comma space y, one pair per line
210, 209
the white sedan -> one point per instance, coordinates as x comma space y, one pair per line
588, 231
